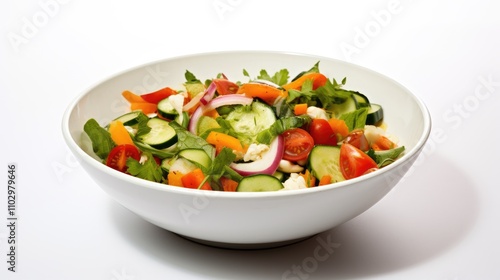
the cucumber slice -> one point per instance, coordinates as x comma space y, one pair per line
248, 121
279, 175
167, 163
324, 160
166, 109
259, 183
185, 119
375, 115
198, 156
206, 123
130, 118
349, 105
361, 100
161, 136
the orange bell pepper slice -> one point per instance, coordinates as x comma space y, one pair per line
221, 140
194, 179
265, 92
317, 78
119, 133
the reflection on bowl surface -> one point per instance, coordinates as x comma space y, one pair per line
246, 219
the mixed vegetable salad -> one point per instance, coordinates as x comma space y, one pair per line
266, 134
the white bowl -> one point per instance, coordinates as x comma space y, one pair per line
246, 220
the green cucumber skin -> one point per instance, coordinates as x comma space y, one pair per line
248, 122
324, 160
166, 110
375, 116
159, 139
259, 183
129, 118
196, 155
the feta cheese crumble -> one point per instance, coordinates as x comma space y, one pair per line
295, 182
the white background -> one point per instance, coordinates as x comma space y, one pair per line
441, 222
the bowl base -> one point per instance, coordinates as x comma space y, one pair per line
245, 246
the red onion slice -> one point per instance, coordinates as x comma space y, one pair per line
267, 165
208, 94
231, 99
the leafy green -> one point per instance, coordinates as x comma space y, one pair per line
193, 85
383, 158
223, 159
191, 78
187, 140
280, 78
279, 126
159, 153
355, 119
331, 93
304, 95
102, 143
283, 109
149, 170
142, 126
245, 73
220, 167
314, 69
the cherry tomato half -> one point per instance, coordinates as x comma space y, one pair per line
322, 132
225, 86
358, 139
117, 158
298, 144
354, 162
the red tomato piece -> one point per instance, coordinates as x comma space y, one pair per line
225, 86
298, 144
322, 133
354, 162
117, 158
159, 95
358, 139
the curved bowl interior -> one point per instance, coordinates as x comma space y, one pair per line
246, 218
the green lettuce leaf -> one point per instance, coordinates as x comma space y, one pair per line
102, 143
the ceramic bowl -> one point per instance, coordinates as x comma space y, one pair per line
246, 220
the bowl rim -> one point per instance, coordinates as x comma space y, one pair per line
82, 155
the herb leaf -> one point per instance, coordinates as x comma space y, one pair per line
304, 95
142, 126
280, 78
355, 119
279, 126
191, 78
150, 170
329, 93
102, 143
187, 140
383, 158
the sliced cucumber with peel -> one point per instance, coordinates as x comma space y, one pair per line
361, 100
161, 135
166, 109
248, 121
130, 118
375, 115
259, 183
197, 156
205, 124
185, 119
349, 105
324, 160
